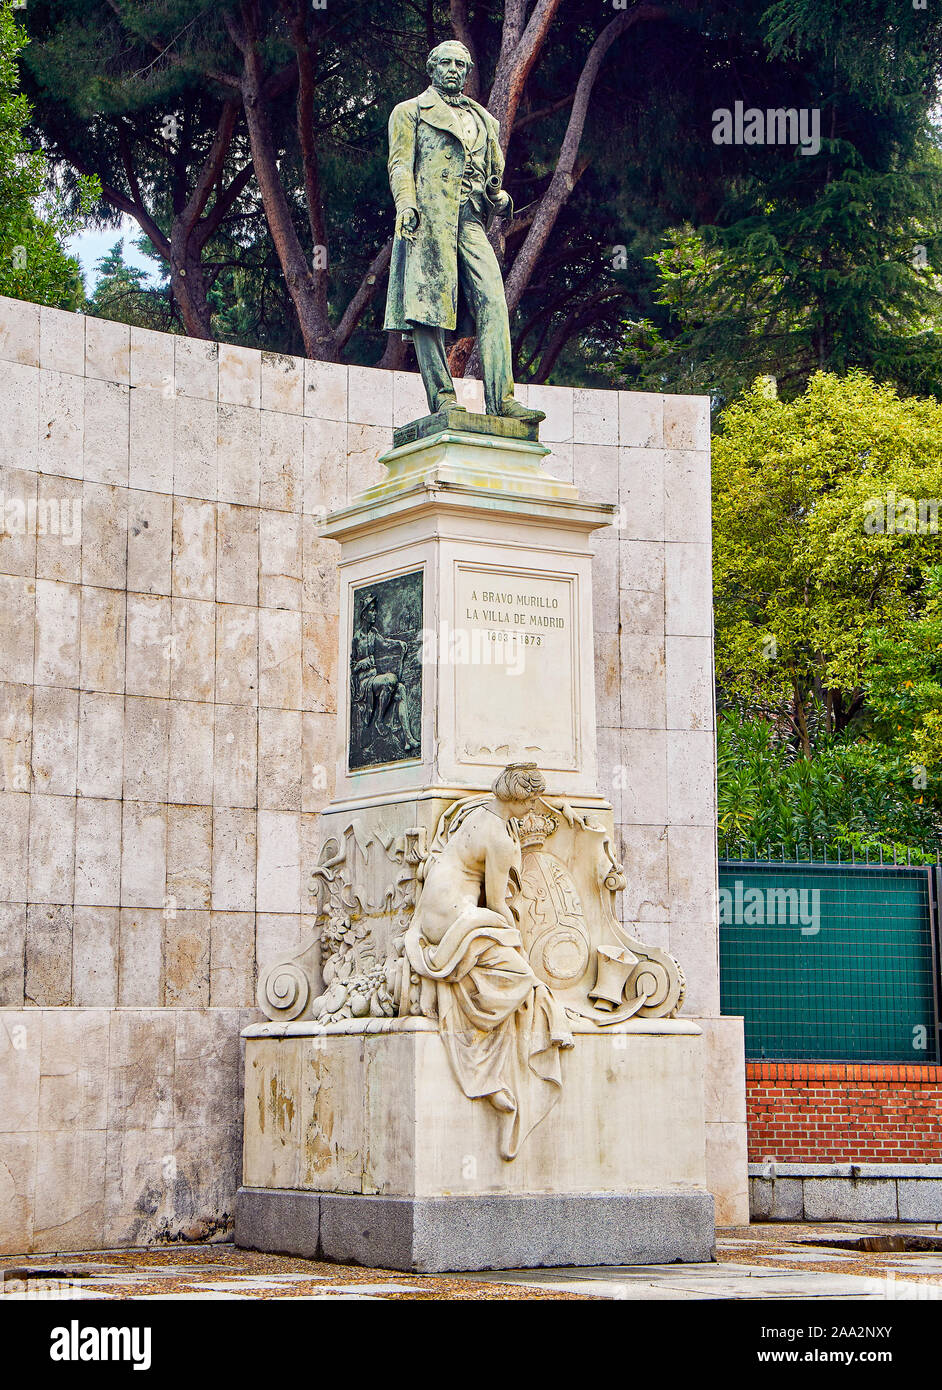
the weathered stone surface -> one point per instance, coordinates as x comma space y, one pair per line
97, 852
107, 350
272, 1219
920, 1199
282, 384
360, 1112
196, 368
12, 955
194, 549
240, 375
151, 360
100, 771
232, 959
149, 542
781, 1200
95, 956
429, 1235
61, 341
325, 390
91, 406
62, 423
186, 957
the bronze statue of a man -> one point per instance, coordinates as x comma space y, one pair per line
445, 170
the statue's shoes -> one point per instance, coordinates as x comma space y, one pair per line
514, 410
451, 405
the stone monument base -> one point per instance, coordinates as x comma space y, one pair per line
361, 1148
432, 1235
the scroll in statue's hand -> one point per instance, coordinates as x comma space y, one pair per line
406, 224
499, 200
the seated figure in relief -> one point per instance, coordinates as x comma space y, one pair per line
501, 1026
380, 696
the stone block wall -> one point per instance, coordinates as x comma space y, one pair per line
168, 634
118, 1126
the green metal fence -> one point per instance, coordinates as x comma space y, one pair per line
831, 962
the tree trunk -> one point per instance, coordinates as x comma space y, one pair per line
187, 280
296, 16
567, 172
459, 357
519, 51
521, 42
319, 342
395, 354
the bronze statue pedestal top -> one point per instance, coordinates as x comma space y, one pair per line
452, 417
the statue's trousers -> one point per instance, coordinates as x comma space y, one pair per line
483, 290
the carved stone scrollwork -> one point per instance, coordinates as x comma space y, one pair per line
576, 945
503, 929
284, 991
352, 968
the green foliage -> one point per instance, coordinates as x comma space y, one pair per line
33, 218
852, 797
816, 270
124, 294
800, 576
829, 618
904, 691
809, 262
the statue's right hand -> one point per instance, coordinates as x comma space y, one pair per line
406, 224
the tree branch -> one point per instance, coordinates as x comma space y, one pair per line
531, 117
365, 292
565, 174
223, 78
224, 201
214, 162
460, 23
577, 318
121, 203
520, 48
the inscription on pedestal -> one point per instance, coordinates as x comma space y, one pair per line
515, 658
386, 672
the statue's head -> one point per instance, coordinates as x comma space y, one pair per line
519, 782
448, 66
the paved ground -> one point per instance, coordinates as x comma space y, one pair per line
756, 1262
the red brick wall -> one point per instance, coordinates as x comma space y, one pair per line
830, 1112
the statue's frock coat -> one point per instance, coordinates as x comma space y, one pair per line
426, 163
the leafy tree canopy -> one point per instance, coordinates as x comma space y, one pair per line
815, 546
904, 691
244, 134
33, 218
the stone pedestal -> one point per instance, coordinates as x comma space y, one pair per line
472, 1065
359, 1147
492, 556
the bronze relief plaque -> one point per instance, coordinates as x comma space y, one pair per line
386, 672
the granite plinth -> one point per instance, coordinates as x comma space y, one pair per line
432, 1235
